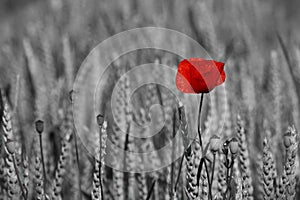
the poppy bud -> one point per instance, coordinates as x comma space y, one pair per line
234, 146
225, 147
71, 95
287, 140
10, 145
100, 119
39, 126
180, 110
180, 104
214, 143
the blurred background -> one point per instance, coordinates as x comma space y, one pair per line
43, 33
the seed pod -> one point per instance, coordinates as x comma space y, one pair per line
100, 119
287, 140
11, 147
234, 146
180, 110
105, 124
39, 126
214, 143
71, 95
225, 147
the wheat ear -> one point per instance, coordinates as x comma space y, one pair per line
97, 192
288, 180
244, 160
61, 169
269, 172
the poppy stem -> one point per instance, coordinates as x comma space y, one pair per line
151, 190
212, 174
43, 162
179, 172
77, 161
199, 121
173, 150
100, 121
100, 163
71, 96
230, 175
208, 180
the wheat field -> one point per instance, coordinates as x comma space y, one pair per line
55, 145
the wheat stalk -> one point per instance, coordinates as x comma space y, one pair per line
13, 190
191, 173
221, 175
6, 120
38, 179
244, 160
142, 186
277, 94
269, 172
3, 179
68, 59
25, 166
288, 182
97, 191
61, 169
12, 173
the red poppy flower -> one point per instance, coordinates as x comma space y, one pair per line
196, 75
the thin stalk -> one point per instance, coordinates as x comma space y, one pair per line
151, 190
229, 168
16, 100
18, 177
100, 181
227, 173
199, 121
179, 172
208, 180
200, 142
231, 171
125, 156
227, 180
77, 160
71, 96
100, 163
43, 163
173, 150
213, 170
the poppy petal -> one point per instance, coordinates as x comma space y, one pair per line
222, 78
183, 77
196, 75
